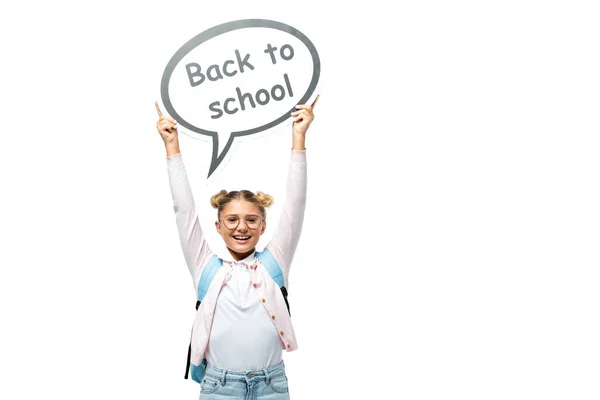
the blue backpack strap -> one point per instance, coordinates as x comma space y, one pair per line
198, 371
207, 276
208, 273
269, 262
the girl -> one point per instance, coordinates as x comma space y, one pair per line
242, 323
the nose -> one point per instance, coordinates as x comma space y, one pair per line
245, 226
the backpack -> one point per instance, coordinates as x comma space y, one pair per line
209, 272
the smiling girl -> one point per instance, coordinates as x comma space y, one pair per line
242, 324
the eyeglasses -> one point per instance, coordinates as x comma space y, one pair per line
232, 221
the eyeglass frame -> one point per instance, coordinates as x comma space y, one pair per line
240, 219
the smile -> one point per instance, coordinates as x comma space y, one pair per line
241, 237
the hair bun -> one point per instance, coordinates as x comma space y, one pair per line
264, 199
214, 200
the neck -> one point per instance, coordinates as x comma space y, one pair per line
239, 256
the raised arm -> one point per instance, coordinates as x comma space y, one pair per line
194, 245
285, 240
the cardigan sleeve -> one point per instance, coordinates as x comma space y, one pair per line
287, 235
193, 243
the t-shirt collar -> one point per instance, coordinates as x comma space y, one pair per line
246, 261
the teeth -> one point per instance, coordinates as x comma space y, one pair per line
241, 237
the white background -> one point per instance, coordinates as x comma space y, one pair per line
450, 249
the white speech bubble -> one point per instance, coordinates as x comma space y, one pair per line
238, 79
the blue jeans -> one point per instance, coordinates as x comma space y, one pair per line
266, 384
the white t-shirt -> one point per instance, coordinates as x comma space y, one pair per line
242, 337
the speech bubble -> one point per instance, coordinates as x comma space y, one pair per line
238, 79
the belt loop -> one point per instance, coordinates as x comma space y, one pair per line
267, 376
223, 377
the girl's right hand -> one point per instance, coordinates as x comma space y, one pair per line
167, 127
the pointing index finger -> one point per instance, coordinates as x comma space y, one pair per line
157, 108
315, 102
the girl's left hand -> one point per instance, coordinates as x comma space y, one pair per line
303, 117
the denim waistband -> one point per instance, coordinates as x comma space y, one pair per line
224, 375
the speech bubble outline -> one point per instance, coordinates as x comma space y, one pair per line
215, 31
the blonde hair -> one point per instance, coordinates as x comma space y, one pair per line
221, 199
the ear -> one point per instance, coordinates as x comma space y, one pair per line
218, 226
264, 227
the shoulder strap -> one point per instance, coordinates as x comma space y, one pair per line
207, 276
208, 273
269, 262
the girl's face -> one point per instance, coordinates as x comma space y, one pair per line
240, 225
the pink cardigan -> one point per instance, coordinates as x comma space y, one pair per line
197, 253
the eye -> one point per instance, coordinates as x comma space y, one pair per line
252, 219
231, 219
